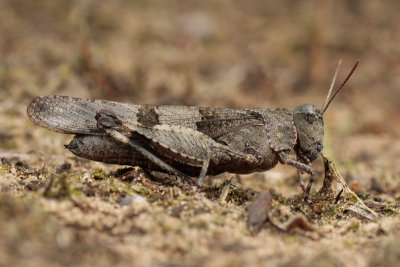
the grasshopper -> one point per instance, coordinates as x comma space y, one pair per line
188, 141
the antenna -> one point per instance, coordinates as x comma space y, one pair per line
340, 88
332, 84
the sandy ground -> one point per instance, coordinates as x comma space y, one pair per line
57, 209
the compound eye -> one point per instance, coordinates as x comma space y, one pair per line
320, 147
310, 117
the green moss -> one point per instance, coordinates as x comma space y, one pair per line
5, 168
363, 195
65, 185
58, 187
280, 198
99, 174
114, 185
388, 209
239, 196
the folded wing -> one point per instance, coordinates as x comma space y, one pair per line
77, 116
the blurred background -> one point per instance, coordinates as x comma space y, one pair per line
219, 53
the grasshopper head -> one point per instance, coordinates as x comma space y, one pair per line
310, 131
310, 124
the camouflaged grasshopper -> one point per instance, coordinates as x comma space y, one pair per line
188, 141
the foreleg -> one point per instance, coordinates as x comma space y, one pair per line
285, 159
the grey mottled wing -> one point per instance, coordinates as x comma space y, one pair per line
77, 116
74, 115
217, 122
